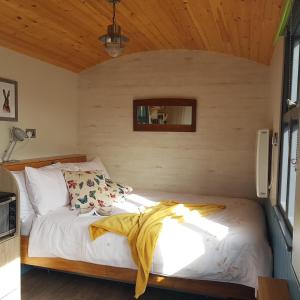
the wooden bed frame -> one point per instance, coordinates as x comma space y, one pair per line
203, 287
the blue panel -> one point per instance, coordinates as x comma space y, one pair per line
282, 257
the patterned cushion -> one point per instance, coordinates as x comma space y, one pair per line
87, 189
117, 190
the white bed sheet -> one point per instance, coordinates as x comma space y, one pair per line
229, 246
26, 224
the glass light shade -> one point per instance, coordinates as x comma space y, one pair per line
114, 49
113, 40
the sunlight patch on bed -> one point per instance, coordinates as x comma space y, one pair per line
193, 217
175, 248
140, 200
132, 204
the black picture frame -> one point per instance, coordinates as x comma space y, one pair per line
8, 100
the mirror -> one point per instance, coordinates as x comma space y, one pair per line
164, 115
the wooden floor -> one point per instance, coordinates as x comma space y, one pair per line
43, 285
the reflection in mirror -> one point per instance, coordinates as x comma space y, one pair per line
169, 115
164, 114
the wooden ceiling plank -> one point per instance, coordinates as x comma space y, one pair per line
95, 20
88, 22
260, 35
75, 28
65, 32
156, 22
196, 24
204, 9
46, 23
137, 26
244, 27
96, 16
223, 29
130, 19
230, 12
16, 33
44, 43
47, 44
185, 24
255, 36
223, 33
31, 50
173, 25
131, 14
273, 9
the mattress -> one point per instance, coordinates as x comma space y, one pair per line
228, 246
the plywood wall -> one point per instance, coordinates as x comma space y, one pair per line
48, 101
217, 159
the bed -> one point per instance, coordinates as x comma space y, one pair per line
229, 249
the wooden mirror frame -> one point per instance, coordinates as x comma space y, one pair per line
164, 102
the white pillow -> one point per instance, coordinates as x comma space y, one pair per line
93, 165
26, 209
46, 188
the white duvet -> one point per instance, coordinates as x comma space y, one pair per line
229, 246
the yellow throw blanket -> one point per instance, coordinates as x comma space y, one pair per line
142, 231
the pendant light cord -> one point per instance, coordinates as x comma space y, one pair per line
114, 12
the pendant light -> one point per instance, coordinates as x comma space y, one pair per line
114, 41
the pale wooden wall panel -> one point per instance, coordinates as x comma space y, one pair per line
217, 159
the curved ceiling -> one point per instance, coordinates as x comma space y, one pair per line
65, 32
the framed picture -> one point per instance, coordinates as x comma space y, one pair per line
8, 100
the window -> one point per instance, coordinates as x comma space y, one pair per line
287, 194
290, 124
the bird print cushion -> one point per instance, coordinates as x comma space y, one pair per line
87, 189
117, 190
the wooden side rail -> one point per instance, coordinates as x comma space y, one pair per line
220, 290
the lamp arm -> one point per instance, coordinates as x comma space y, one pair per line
11, 150
6, 150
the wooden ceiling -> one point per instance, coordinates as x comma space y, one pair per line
65, 32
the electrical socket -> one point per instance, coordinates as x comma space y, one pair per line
31, 133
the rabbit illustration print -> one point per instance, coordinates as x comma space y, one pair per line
6, 106
8, 100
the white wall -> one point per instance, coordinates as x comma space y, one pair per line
218, 159
48, 101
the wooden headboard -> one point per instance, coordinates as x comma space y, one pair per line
8, 182
42, 162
